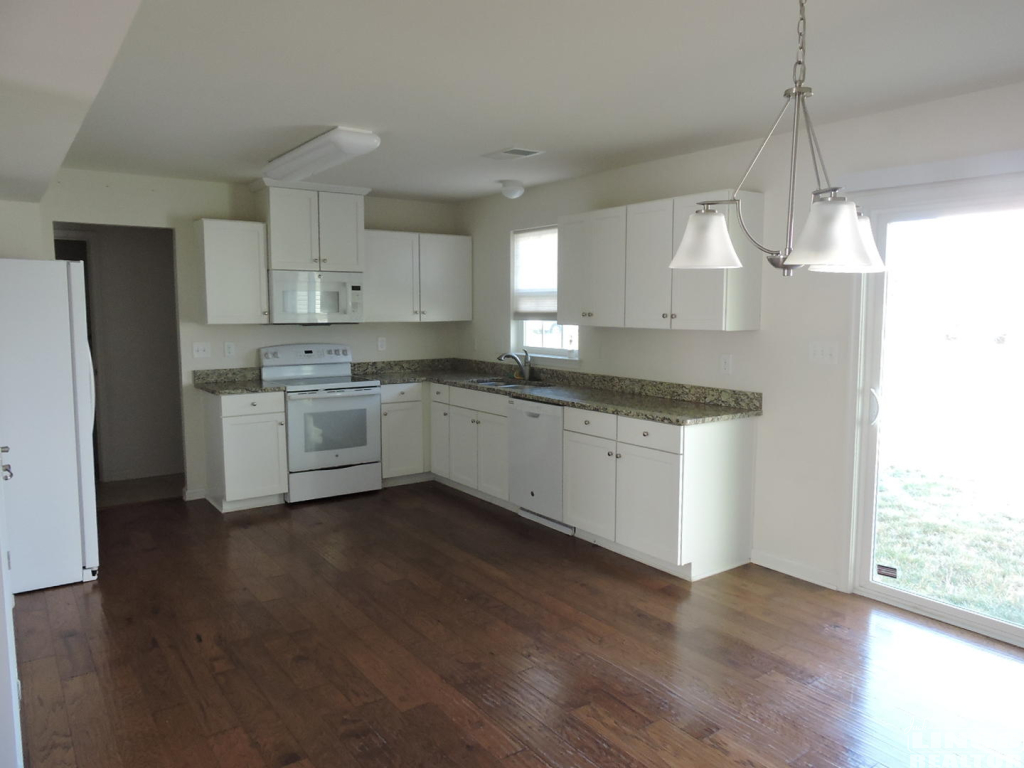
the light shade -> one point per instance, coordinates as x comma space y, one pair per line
317, 155
706, 244
831, 238
877, 265
511, 188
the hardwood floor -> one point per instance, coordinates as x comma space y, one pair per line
420, 627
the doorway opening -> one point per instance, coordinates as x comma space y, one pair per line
133, 333
948, 518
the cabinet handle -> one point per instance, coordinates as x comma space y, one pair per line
618, 455
647, 434
664, 314
611, 453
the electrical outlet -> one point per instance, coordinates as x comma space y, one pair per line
382, 343
725, 364
200, 349
823, 353
229, 349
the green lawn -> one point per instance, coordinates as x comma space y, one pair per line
951, 542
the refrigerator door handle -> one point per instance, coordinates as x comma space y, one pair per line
92, 386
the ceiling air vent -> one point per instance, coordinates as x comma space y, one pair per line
514, 153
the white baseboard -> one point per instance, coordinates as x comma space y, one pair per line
794, 569
194, 494
422, 477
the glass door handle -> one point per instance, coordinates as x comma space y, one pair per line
875, 408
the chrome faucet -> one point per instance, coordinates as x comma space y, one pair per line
523, 362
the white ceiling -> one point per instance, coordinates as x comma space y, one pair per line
213, 89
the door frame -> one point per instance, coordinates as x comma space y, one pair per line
885, 206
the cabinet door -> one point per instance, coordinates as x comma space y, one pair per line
572, 248
588, 483
463, 448
604, 273
293, 229
401, 439
255, 456
648, 501
492, 448
698, 295
440, 460
341, 232
235, 268
391, 277
648, 253
446, 278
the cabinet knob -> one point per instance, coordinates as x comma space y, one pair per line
446, 413
401, 393
587, 422
618, 455
415, 311
664, 314
611, 453
253, 404
674, 315
385, 413
583, 315
437, 392
280, 423
423, 311
647, 434
322, 259
265, 312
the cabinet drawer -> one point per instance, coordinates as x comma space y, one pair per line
438, 392
400, 393
247, 405
480, 401
651, 434
590, 423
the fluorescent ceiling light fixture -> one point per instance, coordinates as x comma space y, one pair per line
832, 239
320, 154
511, 188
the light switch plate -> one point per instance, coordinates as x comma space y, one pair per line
725, 364
200, 349
382, 343
229, 349
823, 353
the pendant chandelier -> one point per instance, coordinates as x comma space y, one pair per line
836, 237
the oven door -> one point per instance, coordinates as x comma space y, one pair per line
315, 297
333, 428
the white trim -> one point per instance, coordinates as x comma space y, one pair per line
194, 494
260, 184
981, 166
392, 482
933, 609
792, 568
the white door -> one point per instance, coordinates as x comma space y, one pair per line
446, 278
255, 456
941, 522
440, 459
235, 266
648, 501
293, 229
341, 232
604, 271
10, 722
492, 446
391, 290
401, 439
588, 481
463, 445
698, 295
648, 253
572, 246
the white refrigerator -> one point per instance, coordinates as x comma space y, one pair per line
47, 410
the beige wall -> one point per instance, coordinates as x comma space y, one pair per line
804, 480
21, 231
90, 197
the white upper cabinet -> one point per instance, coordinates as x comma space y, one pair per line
411, 277
720, 299
592, 268
309, 230
235, 271
341, 232
648, 253
446, 278
391, 277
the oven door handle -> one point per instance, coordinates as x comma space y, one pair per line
325, 395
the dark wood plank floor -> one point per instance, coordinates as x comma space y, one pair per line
419, 627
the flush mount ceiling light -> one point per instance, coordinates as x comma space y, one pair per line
511, 188
834, 239
319, 154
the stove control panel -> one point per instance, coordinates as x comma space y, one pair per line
305, 354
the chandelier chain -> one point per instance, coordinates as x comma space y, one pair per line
800, 66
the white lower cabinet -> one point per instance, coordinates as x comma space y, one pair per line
479, 450
401, 438
247, 450
588, 484
648, 501
440, 456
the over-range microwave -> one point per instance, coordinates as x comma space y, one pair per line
311, 298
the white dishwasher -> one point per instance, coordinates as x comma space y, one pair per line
535, 458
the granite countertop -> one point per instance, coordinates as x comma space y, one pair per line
669, 410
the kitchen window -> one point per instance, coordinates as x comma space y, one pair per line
535, 326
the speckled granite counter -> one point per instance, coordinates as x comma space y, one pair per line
637, 398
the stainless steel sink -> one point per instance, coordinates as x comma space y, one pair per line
510, 383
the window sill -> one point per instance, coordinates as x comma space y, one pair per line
554, 361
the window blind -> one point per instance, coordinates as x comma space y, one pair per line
535, 274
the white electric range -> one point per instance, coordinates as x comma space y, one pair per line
333, 420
